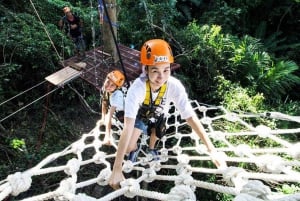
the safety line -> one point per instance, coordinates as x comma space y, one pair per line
21, 93
27, 105
44, 27
115, 40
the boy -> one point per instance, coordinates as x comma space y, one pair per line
156, 57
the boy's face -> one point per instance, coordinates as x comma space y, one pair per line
158, 74
109, 86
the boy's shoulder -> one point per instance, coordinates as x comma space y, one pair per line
175, 84
139, 81
173, 80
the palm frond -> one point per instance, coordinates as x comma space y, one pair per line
279, 78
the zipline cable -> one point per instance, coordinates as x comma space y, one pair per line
28, 104
115, 40
21, 93
44, 27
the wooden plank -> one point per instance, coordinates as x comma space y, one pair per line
63, 76
104, 53
78, 66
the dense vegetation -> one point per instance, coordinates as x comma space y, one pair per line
242, 54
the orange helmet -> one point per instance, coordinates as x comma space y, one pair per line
66, 9
116, 77
156, 51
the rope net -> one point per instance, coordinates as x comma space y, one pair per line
253, 172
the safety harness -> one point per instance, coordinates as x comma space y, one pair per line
105, 99
148, 98
150, 112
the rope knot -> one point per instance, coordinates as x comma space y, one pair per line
206, 120
132, 186
295, 150
155, 165
177, 150
182, 168
233, 117
150, 173
242, 150
183, 158
99, 157
19, 182
104, 176
270, 163
185, 179
66, 187
181, 193
164, 155
256, 189
233, 177
73, 166
203, 109
127, 166
245, 197
263, 131
78, 147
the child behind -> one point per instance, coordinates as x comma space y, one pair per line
112, 102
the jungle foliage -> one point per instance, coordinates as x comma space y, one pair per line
244, 55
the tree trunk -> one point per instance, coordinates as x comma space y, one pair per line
108, 39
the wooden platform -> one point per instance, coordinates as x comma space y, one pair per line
63, 76
98, 63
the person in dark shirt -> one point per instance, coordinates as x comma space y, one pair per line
72, 25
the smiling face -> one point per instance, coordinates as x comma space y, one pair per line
158, 75
109, 86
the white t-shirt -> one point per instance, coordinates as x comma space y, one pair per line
175, 93
117, 100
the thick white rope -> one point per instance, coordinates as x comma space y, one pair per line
178, 158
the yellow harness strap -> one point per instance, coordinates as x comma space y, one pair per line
159, 97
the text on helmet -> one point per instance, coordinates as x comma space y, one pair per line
158, 59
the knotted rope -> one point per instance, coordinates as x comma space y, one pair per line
179, 158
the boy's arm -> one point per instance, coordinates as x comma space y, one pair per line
196, 125
194, 122
117, 175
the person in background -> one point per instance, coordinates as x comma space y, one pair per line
73, 25
112, 102
156, 57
